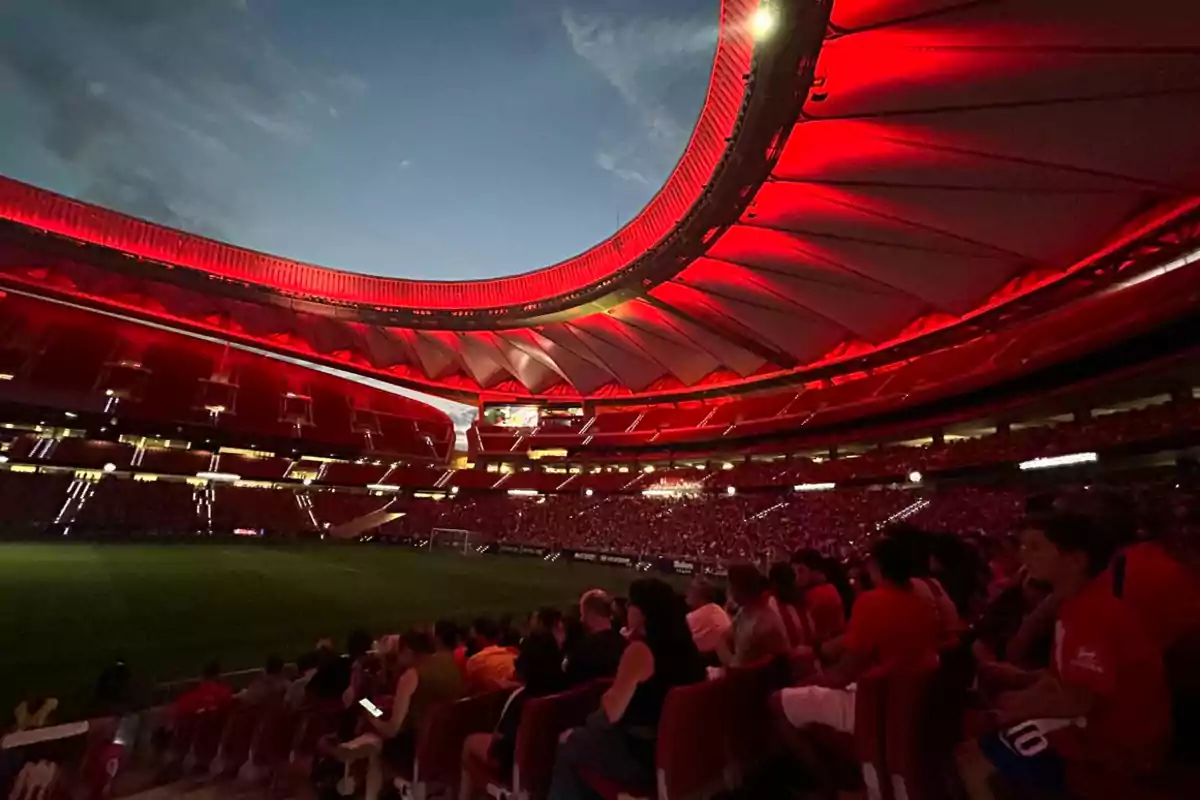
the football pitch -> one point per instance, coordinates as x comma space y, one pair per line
67, 610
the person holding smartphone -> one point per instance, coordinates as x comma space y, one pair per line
428, 676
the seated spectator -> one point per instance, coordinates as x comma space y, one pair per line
116, 692
1104, 703
707, 619
823, 603
1161, 590
297, 690
757, 631
1004, 632
917, 545
209, 694
548, 619
599, 648
891, 628
492, 666
959, 568
269, 687
335, 672
539, 669
619, 739
448, 637
786, 602
620, 620
428, 677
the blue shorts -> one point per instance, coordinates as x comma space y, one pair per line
1024, 756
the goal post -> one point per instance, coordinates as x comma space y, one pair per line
458, 539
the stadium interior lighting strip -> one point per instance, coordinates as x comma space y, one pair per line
523, 492
1060, 461
382, 487
814, 487
222, 477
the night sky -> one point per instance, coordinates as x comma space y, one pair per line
444, 139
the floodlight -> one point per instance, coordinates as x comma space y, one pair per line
763, 21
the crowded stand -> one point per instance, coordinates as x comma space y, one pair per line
922, 661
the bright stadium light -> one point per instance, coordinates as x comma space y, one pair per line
588, 492
763, 21
110, 467
915, 477
1060, 461
731, 490
814, 487
308, 481
453, 490
220, 477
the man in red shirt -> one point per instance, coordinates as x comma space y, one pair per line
1163, 592
822, 603
1104, 700
210, 694
891, 629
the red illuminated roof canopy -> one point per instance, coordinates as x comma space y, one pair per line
878, 178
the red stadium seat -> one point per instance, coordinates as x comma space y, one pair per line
916, 759
271, 743
236, 738
440, 742
542, 720
748, 740
690, 755
856, 762
206, 738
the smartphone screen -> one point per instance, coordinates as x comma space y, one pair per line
371, 708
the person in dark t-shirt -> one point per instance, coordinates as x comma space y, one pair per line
599, 649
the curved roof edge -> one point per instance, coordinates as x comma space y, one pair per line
710, 140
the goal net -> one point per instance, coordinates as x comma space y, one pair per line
457, 539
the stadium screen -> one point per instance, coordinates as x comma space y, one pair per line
511, 416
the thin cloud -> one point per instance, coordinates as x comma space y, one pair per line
640, 59
609, 163
647, 61
141, 99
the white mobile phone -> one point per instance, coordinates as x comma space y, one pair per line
371, 708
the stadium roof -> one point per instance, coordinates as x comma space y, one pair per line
871, 181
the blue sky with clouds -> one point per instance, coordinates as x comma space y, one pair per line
452, 139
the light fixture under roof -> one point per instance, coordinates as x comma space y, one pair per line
763, 21
1067, 460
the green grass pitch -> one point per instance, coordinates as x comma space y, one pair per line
66, 610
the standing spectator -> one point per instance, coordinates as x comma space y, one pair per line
599, 648
757, 631
1104, 704
619, 739
492, 666
707, 619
